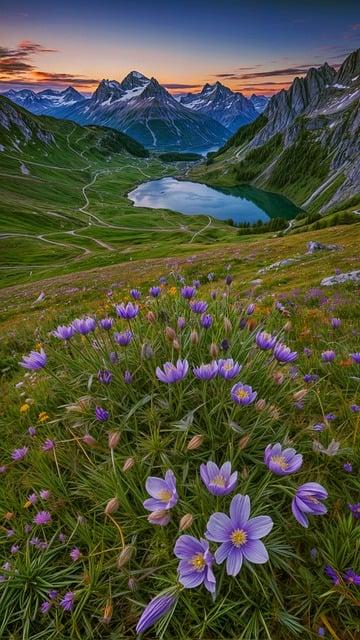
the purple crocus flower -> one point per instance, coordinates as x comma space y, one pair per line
251, 308
355, 357
67, 602
19, 454
124, 338
181, 322
335, 323
128, 377
355, 408
75, 554
280, 461
155, 291
171, 373
101, 414
265, 340
127, 311
307, 352
196, 284
42, 517
83, 325
307, 501
319, 426
161, 517
15, 548
328, 356
64, 332
106, 323
348, 467
32, 431
311, 377
104, 376
188, 292
45, 607
113, 357
198, 306
32, 498
332, 574
243, 394
228, 279
224, 345
48, 445
44, 494
206, 320
162, 491
239, 535
135, 294
355, 509
156, 609
283, 353
206, 371
221, 481
35, 360
351, 577
195, 563
228, 369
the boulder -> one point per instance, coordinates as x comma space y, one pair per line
313, 246
340, 278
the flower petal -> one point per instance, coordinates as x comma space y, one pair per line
234, 562
255, 551
218, 527
187, 546
259, 527
240, 510
222, 552
191, 580
298, 515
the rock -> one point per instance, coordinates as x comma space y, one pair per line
314, 246
281, 263
256, 282
351, 276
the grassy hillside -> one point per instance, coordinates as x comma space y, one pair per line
97, 560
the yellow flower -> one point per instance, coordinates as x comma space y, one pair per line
38, 345
43, 416
173, 291
24, 408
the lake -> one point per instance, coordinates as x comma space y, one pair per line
243, 204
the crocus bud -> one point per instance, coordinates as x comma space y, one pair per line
151, 317
125, 556
160, 517
287, 326
112, 506
114, 437
170, 334
9, 515
274, 412
300, 395
260, 404
244, 441
132, 584
186, 522
181, 323
89, 440
251, 324
244, 473
195, 442
214, 350
146, 351
128, 464
194, 337
227, 325
176, 344
278, 377
108, 611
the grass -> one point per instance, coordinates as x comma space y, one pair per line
288, 597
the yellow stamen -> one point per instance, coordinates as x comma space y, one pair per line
198, 562
164, 495
280, 461
242, 394
219, 481
238, 537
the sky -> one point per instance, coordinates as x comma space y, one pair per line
257, 46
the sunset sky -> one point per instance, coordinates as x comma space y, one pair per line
253, 46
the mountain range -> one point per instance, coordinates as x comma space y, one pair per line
231, 109
306, 143
145, 110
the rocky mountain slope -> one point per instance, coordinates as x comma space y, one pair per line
229, 108
21, 130
306, 144
143, 109
259, 102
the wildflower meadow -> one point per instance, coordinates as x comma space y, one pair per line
186, 465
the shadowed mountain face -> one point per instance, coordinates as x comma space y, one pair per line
48, 102
231, 109
138, 106
306, 143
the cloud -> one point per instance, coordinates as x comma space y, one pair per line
174, 85
17, 68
